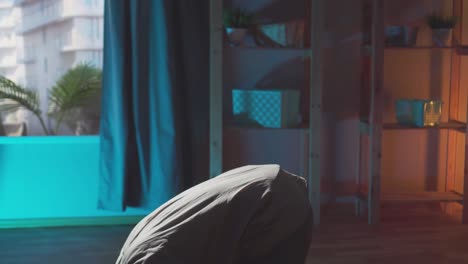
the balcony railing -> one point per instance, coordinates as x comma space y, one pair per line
83, 8
8, 62
7, 22
7, 43
25, 57
58, 11
40, 18
6, 3
75, 41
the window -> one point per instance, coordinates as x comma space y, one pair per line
97, 29
48, 47
45, 65
97, 58
44, 36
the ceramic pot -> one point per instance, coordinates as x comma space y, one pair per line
236, 36
441, 36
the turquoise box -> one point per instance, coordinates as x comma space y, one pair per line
266, 108
418, 112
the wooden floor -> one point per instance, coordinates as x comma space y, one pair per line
71, 245
407, 235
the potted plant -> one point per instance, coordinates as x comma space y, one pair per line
236, 23
441, 28
2, 129
75, 92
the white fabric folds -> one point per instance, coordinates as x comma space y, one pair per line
247, 215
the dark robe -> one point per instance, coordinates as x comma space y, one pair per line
253, 214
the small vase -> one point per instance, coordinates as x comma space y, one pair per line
236, 35
441, 36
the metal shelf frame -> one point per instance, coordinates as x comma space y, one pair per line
314, 95
372, 125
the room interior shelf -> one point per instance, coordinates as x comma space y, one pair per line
270, 48
444, 125
417, 197
306, 52
461, 51
303, 127
418, 48
376, 85
455, 125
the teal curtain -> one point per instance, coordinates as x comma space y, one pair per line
154, 121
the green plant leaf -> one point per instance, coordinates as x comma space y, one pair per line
436, 21
77, 89
237, 18
23, 97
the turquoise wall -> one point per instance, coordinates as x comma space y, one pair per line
50, 177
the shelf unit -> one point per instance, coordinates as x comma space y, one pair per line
313, 95
303, 52
369, 195
455, 125
418, 48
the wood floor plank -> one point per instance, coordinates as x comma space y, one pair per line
406, 235
71, 245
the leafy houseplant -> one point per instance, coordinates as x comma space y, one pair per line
2, 129
76, 90
441, 28
237, 23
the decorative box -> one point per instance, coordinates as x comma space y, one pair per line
419, 113
266, 108
289, 34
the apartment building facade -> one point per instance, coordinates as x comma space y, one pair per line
52, 37
9, 16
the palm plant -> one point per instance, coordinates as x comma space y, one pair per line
237, 18
436, 21
2, 129
74, 91
15, 96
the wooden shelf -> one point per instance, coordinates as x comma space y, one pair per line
423, 197
269, 48
417, 197
455, 125
367, 49
304, 127
373, 94
242, 61
461, 50
418, 48
445, 125
305, 52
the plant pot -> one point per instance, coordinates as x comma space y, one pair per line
441, 36
404, 36
236, 36
14, 129
287, 34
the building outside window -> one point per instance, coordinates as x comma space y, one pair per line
40, 41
